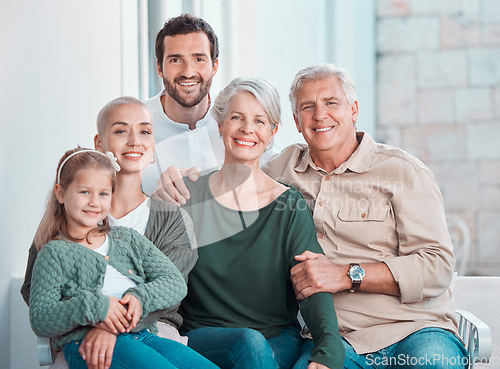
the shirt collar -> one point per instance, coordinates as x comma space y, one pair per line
358, 162
304, 161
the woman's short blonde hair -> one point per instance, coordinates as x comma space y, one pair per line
103, 115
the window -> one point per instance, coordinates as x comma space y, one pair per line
269, 39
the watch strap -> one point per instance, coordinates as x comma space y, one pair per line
355, 286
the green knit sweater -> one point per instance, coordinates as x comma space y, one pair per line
65, 295
171, 231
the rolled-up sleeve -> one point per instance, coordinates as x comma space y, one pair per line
425, 262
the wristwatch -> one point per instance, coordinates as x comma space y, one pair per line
356, 273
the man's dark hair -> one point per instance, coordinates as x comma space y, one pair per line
182, 25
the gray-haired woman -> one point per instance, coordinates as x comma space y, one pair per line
241, 310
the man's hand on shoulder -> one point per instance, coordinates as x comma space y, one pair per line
171, 187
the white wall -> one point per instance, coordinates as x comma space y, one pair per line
60, 62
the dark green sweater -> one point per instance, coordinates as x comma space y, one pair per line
242, 277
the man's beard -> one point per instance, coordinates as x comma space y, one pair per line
190, 100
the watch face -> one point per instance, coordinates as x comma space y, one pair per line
356, 273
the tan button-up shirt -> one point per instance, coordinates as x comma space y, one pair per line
381, 205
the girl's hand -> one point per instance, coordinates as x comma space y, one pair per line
116, 318
103, 326
134, 310
97, 348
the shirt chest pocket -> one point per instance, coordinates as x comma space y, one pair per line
372, 213
371, 226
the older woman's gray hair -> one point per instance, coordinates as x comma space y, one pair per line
263, 91
320, 71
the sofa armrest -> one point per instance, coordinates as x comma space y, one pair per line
46, 352
476, 336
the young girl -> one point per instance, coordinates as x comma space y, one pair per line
88, 274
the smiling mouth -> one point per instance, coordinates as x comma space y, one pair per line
323, 129
188, 84
133, 155
246, 143
92, 213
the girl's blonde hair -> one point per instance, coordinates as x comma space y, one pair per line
54, 224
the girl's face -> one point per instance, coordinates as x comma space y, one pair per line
246, 129
129, 136
86, 200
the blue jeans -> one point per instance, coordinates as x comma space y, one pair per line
143, 350
305, 355
426, 348
245, 348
